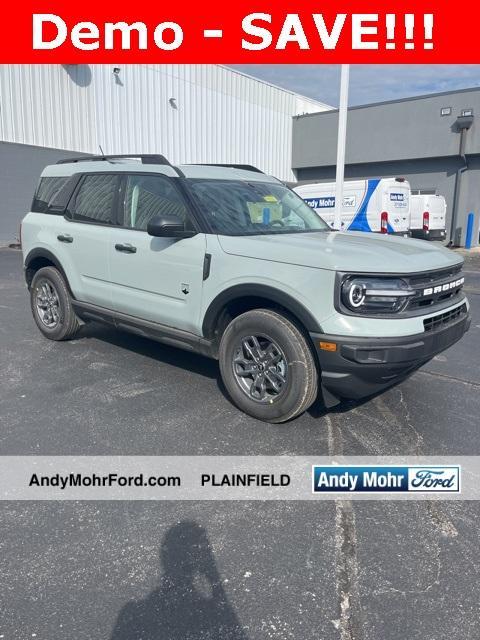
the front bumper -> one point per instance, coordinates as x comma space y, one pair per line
360, 367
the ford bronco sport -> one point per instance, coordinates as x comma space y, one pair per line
228, 262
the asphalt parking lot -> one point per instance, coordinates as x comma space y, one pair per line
119, 571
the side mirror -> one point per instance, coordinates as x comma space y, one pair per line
168, 227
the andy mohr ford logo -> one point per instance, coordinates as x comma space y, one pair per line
385, 479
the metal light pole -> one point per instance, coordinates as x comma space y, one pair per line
462, 124
342, 135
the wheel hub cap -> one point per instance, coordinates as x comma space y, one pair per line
260, 368
47, 304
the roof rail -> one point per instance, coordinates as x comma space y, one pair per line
245, 167
145, 158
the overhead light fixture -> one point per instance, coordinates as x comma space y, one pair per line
467, 112
463, 122
446, 111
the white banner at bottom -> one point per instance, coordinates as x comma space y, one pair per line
239, 478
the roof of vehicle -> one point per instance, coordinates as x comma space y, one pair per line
312, 186
417, 196
205, 171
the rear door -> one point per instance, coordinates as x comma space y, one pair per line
396, 202
437, 209
155, 279
417, 207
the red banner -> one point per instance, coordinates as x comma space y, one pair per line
256, 31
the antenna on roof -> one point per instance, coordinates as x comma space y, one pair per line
101, 150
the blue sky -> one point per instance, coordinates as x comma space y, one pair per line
368, 83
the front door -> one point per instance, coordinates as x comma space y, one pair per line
155, 279
84, 237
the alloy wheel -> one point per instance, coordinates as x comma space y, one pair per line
260, 368
47, 303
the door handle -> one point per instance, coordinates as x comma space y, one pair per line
126, 248
65, 238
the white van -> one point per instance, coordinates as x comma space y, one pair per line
428, 215
381, 205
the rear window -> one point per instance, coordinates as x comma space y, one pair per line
47, 189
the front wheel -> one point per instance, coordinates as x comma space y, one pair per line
267, 366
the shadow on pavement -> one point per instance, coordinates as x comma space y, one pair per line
195, 363
155, 350
189, 602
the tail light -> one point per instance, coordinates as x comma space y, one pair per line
384, 222
426, 220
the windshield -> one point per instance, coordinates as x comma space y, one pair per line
236, 207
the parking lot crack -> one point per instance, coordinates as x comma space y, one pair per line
435, 374
408, 421
346, 563
349, 623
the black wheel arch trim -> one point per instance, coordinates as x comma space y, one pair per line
48, 255
267, 292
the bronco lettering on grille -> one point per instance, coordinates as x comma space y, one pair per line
443, 287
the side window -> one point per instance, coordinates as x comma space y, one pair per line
95, 198
148, 196
46, 191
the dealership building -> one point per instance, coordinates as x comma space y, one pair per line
189, 113
214, 114
433, 141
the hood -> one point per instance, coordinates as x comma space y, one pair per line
347, 251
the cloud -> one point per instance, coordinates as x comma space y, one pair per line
368, 83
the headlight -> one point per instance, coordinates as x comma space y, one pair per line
371, 295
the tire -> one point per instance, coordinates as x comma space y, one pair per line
280, 352
51, 305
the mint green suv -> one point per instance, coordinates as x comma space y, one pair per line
228, 262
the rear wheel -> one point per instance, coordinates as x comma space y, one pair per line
51, 305
267, 366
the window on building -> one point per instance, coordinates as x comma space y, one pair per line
95, 198
149, 196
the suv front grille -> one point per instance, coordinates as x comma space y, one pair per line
443, 319
432, 276
435, 288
